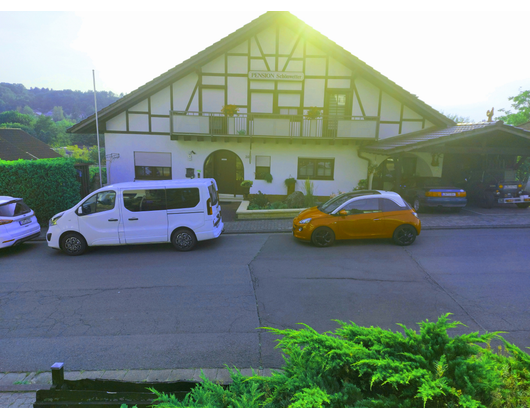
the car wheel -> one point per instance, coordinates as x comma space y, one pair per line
323, 237
183, 240
73, 244
522, 205
404, 235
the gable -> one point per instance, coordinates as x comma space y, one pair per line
272, 65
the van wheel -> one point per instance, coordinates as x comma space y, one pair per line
183, 240
73, 244
404, 235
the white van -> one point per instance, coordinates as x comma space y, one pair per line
181, 212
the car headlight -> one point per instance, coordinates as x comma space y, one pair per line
53, 220
415, 214
304, 221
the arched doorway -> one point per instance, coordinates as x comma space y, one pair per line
227, 169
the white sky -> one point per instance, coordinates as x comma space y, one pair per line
458, 60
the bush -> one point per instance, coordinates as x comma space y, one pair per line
260, 200
278, 205
371, 367
48, 186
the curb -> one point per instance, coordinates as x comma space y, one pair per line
246, 232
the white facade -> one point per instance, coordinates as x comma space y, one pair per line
274, 76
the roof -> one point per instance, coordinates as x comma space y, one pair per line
88, 125
525, 126
17, 144
435, 136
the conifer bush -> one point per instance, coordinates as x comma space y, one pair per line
357, 366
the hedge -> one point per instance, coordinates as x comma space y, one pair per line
48, 186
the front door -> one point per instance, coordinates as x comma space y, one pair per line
99, 218
225, 171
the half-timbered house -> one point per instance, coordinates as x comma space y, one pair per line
306, 108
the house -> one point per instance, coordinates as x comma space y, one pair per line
16, 144
306, 108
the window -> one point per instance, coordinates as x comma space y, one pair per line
152, 172
263, 166
152, 165
181, 198
213, 194
389, 205
365, 205
144, 200
14, 209
316, 168
102, 201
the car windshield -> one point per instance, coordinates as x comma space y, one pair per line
333, 204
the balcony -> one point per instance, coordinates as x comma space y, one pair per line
187, 125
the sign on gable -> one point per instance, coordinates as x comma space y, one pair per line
275, 75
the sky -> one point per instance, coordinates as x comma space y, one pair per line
464, 58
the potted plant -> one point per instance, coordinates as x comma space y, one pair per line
229, 110
313, 113
246, 184
268, 178
290, 183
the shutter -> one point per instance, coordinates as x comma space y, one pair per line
152, 159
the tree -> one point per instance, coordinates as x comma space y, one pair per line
57, 113
457, 118
521, 103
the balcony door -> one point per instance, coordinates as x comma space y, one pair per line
227, 169
337, 107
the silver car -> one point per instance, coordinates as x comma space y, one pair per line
17, 222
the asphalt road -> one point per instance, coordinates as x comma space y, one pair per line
150, 307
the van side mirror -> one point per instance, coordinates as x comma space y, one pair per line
82, 210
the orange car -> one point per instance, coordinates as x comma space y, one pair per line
359, 215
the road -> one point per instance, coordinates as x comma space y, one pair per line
150, 307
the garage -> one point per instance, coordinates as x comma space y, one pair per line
485, 159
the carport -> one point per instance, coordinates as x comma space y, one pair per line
451, 153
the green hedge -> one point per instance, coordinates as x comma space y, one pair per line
48, 186
370, 367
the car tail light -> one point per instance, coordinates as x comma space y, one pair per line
500, 187
5, 221
433, 194
209, 206
461, 194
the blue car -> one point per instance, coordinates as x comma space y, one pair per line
431, 192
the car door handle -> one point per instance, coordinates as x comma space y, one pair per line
113, 220
377, 220
134, 218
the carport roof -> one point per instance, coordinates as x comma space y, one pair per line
438, 137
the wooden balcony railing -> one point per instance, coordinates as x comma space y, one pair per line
271, 125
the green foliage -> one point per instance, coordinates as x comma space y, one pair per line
268, 178
247, 183
260, 200
370, 367
361, 185
309, 193
521, 104
94, 171
48, 186
290, 181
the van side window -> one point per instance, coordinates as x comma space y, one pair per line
144, 200
102, 201
181, 198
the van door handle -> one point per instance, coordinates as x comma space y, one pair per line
113, 220
134, 218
